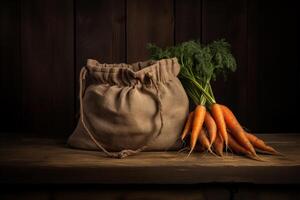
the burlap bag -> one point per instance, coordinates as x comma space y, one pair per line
129, 108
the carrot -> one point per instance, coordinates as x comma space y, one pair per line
220, 122
261, 145
203, 139
236, 129
199, 115
211, 127
187, 126
237, 148
219, 145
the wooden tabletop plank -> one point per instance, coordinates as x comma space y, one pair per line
43, 160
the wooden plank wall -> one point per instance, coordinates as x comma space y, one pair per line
44, 44
47, 62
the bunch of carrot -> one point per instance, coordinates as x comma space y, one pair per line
211, 124
218, 127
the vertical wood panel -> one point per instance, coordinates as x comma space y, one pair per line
100, 31
188, 20
148, 21
47, 66
228, 19
10, 68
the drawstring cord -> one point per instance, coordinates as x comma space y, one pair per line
126, 152
158, 95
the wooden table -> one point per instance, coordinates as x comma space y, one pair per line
44, 160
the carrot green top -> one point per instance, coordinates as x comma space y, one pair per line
199, 65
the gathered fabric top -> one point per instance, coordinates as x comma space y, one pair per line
130, 74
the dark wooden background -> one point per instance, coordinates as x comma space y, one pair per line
45, 43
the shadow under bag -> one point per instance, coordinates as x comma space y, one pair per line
128, 108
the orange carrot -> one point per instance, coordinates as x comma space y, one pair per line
261, 145
211, 127
188, 125
237, 148
203, 139
236, 129
199, 115
219, 145
220, 122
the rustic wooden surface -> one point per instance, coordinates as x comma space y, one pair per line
42, 160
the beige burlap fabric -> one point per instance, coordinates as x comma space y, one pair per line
129, 108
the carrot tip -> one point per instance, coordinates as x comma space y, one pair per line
254, 152
277, 153
190, 152
274, 152
219, 153
227, 147
256, 157
210, 151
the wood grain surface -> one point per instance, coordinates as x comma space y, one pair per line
42, 160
